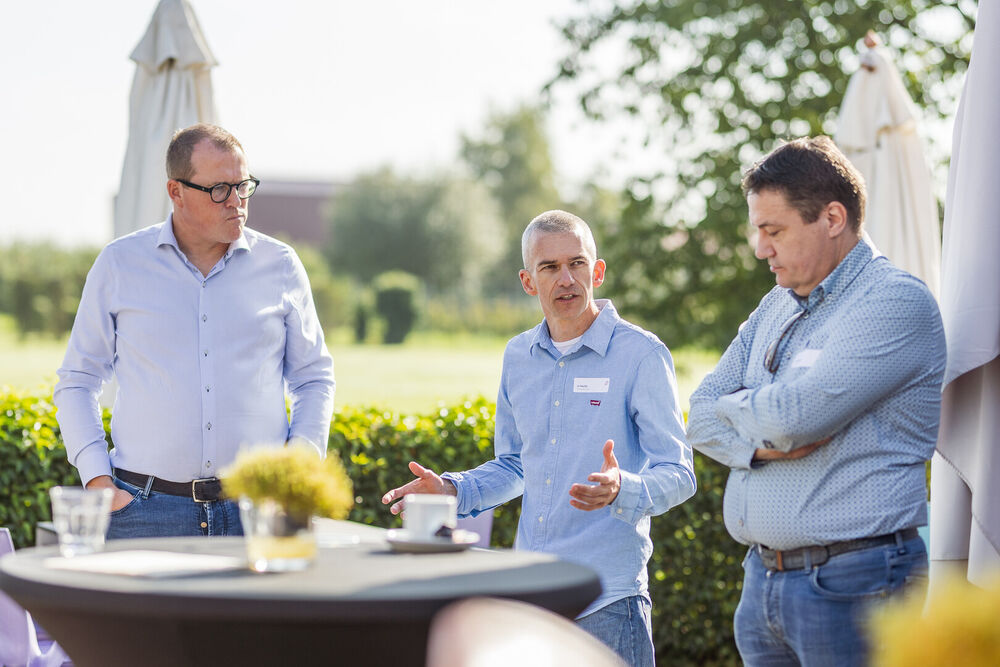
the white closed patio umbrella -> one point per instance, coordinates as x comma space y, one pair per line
965, 476
172, 89
877, 131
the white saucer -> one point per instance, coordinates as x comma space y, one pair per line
400, 540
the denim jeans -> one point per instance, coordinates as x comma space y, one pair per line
817, 616
152, 514
624, 626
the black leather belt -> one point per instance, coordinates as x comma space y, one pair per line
795, 559
205, 490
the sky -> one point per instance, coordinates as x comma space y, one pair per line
313, 90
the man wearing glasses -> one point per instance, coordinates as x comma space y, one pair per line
204, 323
825, 406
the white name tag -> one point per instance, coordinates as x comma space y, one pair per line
591, 385
806, 358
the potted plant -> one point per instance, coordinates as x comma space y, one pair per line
280, 491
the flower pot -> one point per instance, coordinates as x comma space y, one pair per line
276, 541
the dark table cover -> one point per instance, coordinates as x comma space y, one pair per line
358, 605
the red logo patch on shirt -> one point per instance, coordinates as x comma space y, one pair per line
594, 401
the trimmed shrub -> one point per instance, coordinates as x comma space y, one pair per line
396, 294
695, 574
32, 459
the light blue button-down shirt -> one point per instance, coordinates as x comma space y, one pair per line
202, 363
864, 365
554, 414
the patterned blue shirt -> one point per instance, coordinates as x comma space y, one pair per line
202, 363
863, 364
554, 413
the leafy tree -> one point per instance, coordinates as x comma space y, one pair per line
442, 229
715, 85
512, 157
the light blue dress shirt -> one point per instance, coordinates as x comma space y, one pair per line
863, 364
554, 414
202, 363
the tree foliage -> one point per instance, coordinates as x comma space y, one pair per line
441, 229
715, 85
512, 157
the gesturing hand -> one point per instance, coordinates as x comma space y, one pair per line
589, 497
427, 481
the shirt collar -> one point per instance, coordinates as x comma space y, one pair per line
597, 337
167, 237
843, 275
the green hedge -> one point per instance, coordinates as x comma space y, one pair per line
32, 459
695, 572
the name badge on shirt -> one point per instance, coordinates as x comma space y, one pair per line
591, 385
806, 358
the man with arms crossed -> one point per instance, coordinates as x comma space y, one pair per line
588, 430
825, 406
204, 323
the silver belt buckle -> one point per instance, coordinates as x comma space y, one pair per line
194, 493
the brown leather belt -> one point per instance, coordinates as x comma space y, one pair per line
205, 490
795, 559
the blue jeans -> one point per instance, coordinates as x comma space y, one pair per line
817, 616
152, 514
624, 626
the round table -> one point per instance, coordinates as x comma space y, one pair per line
360, 604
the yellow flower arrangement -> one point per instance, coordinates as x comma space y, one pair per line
293, 477
959, 627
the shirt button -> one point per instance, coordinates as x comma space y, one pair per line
553, 441
205, 353
208, 464
557, 404
207, 388
561, 364
204, 318
619, 510
548, 481
541, 519
209, 426
204, 282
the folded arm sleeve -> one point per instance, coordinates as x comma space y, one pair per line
706, 432
882, 344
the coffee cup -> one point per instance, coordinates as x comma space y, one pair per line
424, 515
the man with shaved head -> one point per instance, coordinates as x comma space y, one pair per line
588, 431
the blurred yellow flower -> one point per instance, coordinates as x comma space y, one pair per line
961, 626
293, 477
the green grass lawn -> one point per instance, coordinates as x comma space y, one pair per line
412, 378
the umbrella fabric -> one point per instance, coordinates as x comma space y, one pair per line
172, 89
877, 131
969, 440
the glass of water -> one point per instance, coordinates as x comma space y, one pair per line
81, 518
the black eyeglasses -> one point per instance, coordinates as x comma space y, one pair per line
220, 191
771, 358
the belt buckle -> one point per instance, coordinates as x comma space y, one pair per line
194, 491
